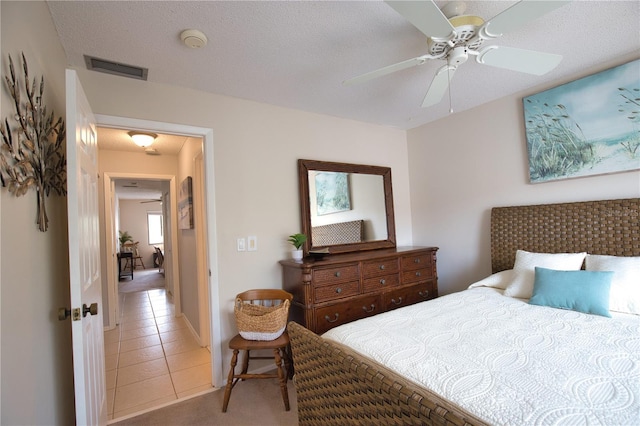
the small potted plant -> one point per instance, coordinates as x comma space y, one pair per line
297, 240
124, 238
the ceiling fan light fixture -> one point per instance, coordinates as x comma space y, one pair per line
454, 8
466, 20
143, 139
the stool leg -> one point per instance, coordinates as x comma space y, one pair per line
227, 390
281, 378
245, 362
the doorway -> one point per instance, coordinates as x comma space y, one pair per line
127, 189
210, 260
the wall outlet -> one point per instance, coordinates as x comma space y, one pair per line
253, 243
241, 244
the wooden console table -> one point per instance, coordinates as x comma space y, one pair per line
126, 270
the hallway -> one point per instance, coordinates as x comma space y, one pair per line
152, 358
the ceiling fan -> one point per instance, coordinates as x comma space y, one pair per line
453, 37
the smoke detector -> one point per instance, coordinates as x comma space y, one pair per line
193, 38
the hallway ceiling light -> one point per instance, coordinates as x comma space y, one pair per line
143, 139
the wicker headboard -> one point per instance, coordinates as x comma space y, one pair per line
338, 233
610, 227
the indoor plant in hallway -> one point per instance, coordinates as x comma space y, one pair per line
124, 237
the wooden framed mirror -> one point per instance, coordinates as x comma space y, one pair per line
345, 207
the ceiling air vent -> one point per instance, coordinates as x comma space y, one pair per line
115, 68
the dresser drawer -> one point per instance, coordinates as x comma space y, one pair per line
341, 313
420, 292
335, 291
397, 298
417, 261
380, 283
417, 275
379, 267
335, 275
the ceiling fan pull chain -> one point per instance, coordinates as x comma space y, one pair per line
450, 105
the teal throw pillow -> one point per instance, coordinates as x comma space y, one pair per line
582, 291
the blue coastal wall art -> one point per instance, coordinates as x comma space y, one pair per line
590, 126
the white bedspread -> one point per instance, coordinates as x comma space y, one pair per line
508, 362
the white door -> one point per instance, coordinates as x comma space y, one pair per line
84, 257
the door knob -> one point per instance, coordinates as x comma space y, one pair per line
93, 309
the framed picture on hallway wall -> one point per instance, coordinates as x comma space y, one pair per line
185, 204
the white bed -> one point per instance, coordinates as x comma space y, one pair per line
509, 362
486, 355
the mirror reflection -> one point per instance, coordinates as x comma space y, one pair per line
352, 205
346, 207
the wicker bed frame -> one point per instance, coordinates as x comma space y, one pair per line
335, 385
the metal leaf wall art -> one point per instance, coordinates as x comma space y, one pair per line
32, 152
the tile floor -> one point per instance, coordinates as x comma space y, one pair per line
152, 358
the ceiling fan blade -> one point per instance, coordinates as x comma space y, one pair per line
387, 70
511, 58
518, 15
425, 16
439, 85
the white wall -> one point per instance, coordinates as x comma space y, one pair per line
187, 240
133, 219
465, 164
36, 368
256, 148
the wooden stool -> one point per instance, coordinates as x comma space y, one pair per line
279, 346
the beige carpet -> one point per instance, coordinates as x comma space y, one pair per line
253, 402
143, 279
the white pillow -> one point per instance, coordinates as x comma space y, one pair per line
524, 269
625, 285
498, 280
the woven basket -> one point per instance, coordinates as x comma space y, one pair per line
257, 322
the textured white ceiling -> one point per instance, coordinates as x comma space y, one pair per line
296, 54
140, 189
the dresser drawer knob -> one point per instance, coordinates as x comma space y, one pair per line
382, 281
417, 260
335, 318
382, 267
337, 274
338, 290
397, 302
418, 274
424, 293
370, 309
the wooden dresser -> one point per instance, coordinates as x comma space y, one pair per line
341, 288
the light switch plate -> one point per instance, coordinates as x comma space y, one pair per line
253, 243
241, 244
